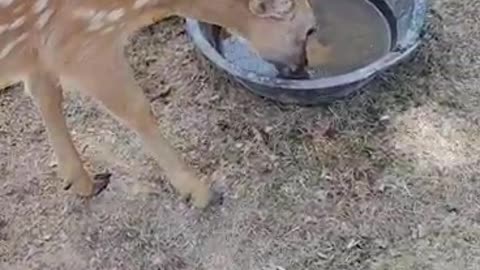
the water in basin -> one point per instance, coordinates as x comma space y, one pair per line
351, 34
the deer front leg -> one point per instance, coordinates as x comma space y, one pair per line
108, 78
48, 96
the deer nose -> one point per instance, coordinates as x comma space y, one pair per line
292, 71
311, 31
300, 64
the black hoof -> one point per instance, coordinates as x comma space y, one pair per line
101, 182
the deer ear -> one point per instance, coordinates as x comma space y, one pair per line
278, 9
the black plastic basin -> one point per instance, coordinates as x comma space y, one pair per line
406, 19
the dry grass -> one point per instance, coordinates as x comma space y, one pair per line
385, 180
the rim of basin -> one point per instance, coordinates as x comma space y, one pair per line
410, 43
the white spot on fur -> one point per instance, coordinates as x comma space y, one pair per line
19, 8
140, 3
116, 14
44, 18
84, 13
10, 46
5, 3
108, 30
40, 6
97, 22
18, 22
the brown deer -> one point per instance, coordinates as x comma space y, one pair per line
47, 43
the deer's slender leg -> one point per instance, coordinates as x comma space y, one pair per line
121, 95
48, 95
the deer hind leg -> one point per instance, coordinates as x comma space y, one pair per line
107, 78
47, 93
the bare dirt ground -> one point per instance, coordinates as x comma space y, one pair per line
386, 180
